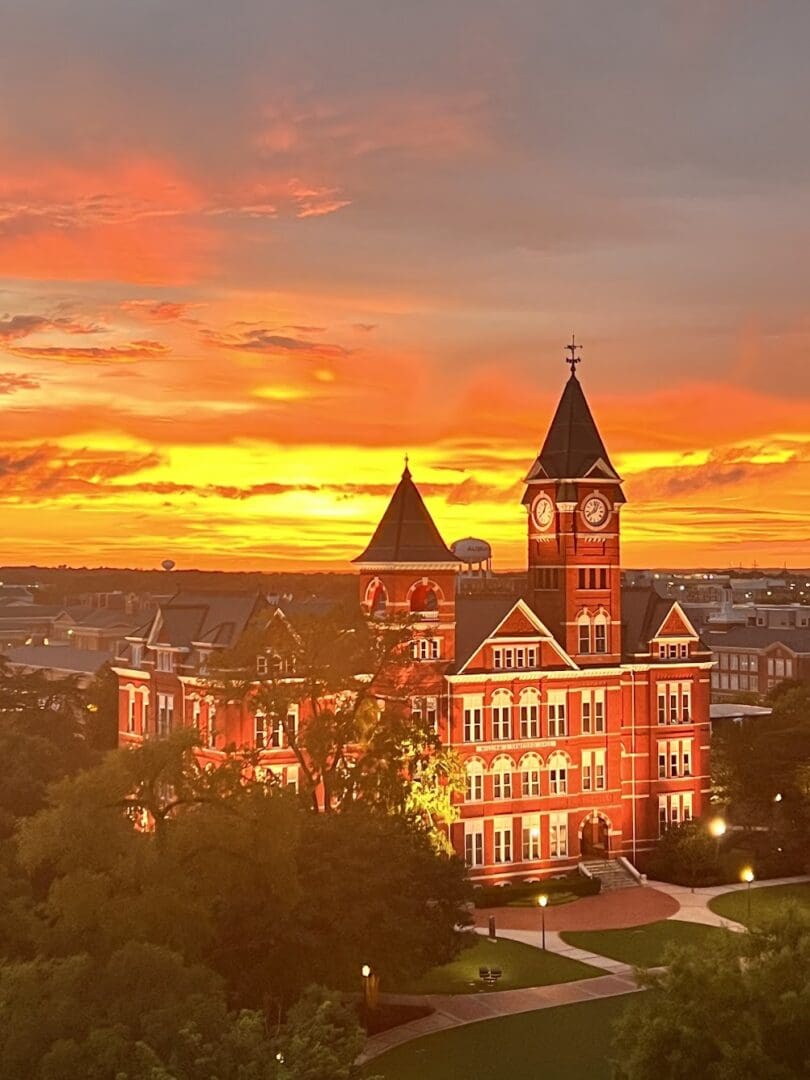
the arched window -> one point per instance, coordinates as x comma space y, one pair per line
600, 632
501, 770
424, 597
529, 713
475, 780
501, 715
530, 767
376, 598
558, 773
583, 632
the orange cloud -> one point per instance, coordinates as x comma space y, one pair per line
99, 354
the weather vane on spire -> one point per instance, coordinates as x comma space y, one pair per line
573, 359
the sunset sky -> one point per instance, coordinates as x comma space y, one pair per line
253, 252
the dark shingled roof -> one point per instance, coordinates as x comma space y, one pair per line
476, 618
797, 639
214, 618
643, 611
407, 532
573, 444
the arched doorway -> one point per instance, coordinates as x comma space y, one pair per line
594, 837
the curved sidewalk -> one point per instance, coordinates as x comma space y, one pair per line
693, 904
665, 902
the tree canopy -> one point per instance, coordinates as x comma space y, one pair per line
740, 1006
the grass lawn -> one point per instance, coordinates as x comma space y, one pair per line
765, 902
522, 966
644, 946
571, 1042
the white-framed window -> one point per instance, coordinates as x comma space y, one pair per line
529, 714
583, 633
558, 774
474, 843
501, 715
426, 648
556, 714
530, 827
426, 708
144, 712
475, 781
514, 657
196, 712
211, 720
600, 633
136, 655
593, 770
165, 713
674, 809
530, 769
164, 660
473, 719
131, 713
674, 758
502, 778
674, 703
261, 665
558, 835
290, 777
503, 840
593, 711
260, 730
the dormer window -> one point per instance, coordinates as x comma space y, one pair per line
261, 665
136, 652
165, 660
514, 657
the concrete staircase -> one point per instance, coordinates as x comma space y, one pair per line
613, 874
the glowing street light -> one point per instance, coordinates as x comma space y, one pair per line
542, 900
748, 877
717, 827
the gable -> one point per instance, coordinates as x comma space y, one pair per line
676, 624
519, 629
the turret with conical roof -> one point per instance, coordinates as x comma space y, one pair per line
573, 497
406, 532
408, 570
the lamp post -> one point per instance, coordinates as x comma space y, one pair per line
717, 827
542, 900
748, 877
365, 971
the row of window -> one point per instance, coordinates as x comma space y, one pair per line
270, 732
674, 758
426, 648
526, 782
592, 633
592, 715
675, 703
504, 833
592, 577
722, 680
514, 658
673, 650
674, 810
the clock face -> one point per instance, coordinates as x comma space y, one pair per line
595, 511
542, 511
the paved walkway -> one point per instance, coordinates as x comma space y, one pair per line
663, 901
693, 904
607, 911
453, 1010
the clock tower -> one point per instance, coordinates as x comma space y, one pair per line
573, 498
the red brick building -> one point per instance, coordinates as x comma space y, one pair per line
581, 711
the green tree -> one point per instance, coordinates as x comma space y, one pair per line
686, 855
42, 738
738, 1007
360, 739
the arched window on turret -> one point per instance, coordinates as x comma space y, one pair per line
424, 597
600, 632
376, 598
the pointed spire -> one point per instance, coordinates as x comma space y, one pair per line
573, 446
406, 532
